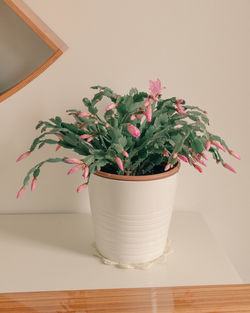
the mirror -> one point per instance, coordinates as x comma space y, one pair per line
25, 49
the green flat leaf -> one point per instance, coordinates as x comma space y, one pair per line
133, 91
50, 141
197, 145
36, 172
86, 102
54, 160
118, 147
93, 110
89, 159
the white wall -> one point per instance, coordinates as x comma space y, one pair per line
200, 49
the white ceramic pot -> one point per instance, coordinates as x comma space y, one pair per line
131, 214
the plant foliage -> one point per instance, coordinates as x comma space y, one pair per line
140, 134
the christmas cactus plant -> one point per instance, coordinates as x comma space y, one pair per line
140, 134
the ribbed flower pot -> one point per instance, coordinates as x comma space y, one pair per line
131, 215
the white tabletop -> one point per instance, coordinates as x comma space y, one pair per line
54, 252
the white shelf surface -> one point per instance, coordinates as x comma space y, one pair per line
40, 252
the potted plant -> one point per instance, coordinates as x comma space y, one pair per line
134, 153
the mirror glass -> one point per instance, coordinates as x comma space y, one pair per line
22, 51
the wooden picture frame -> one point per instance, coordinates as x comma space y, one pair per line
47, 36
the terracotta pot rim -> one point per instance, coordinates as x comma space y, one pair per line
140, 178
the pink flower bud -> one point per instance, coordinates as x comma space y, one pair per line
58, 147
148, 113
202, 162
33, 184
87, 136
20, 192
107, 125
84, 114
229, 167
218, 145
74, 161
74, 169
119, 163
23, 156
132, 117
81, 187
133, 130
179, 107
148, 102
179, 101
165, 154
138, 116
234, 154
208, 145
175, 155
90, 138
111, 106
96, 122
86, 172
204, 156
197, 167
125, 153
167, 167
59, 136
183, 158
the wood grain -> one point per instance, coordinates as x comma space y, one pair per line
44, 32
200, 299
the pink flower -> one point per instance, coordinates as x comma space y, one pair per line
133, 130
138, 116
179, 107
148, 113
119, 163
86, 172
155, 88
175, 155
202, 162
111, 106
74, 161
229, 167
218, 145
183, 158
58, 147
148, 101
74, 169
132, 117
20, 192
234, 154
23, 156
125, 153
59, 136
204, 156
107, 125
87, 136
197, 167
165, 154
90, 138
84, 114
167, 167
208, 145
33, 184
96, 122
81, 187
